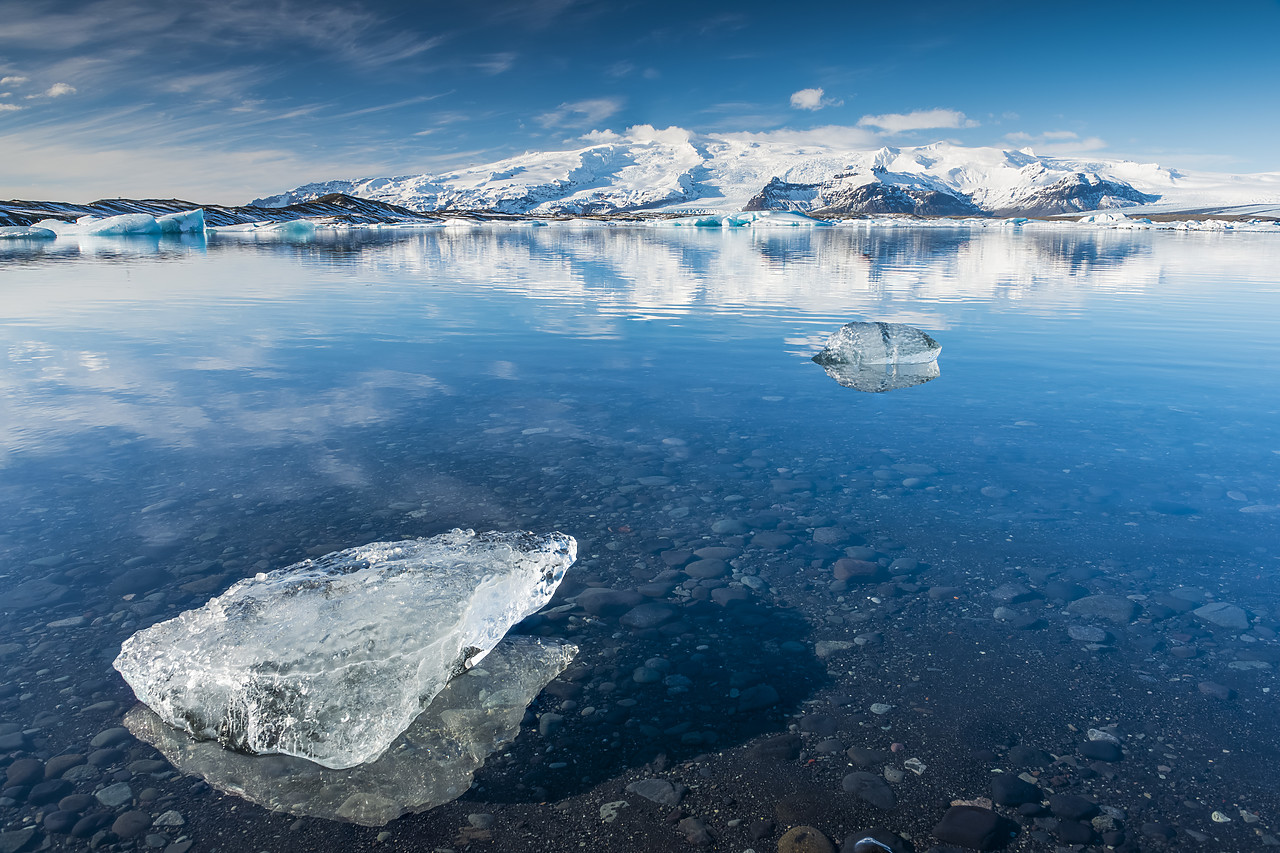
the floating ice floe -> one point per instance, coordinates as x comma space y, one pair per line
748, 218
128, 225
877, 357
431, 763
331, 659
182, 222
26, 232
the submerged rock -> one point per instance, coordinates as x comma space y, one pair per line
331, 659
876, 357
431, 763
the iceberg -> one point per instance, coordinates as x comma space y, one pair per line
876, 357
182, 222
293, 229
430, 764
118, 226
748, 218
331, 659
26, 232
708, 220
775, 218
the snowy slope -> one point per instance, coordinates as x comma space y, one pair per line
672, 170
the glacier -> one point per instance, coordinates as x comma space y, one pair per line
331, 659
431, 763
877, 357
676, 172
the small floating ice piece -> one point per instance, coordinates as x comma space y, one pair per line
877, 357
430, 764
331, 659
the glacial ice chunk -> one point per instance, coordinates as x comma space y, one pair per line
182, 222
26, 232
331, 659
293, 229
431, 763
116, 226
775, 218
705, 220
747, 219
877, 357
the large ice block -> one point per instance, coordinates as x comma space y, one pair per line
432, 763
331, 659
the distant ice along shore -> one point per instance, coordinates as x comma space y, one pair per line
194, 223
674, 177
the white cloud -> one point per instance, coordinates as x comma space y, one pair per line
639, 133
581, 113
1057, 142
9, 108
918, 120
833, 135
1047, 135
812, 99
12, 80
57, 90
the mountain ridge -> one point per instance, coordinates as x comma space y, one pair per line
672, 171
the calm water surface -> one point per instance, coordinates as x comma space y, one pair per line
175, 416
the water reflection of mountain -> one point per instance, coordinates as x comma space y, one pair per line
832, 272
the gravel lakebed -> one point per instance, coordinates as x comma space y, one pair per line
770, 660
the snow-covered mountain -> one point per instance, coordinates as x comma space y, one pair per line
673, 171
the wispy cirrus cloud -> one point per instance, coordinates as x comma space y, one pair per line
116, 30
580, 114
917, 120
407, 102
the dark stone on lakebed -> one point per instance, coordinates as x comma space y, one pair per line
1071, 807
974, 827
1026, 756
871, 789
1074, 832
1101, 750
779, 748
1011, 791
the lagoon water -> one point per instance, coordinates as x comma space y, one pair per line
1105, 421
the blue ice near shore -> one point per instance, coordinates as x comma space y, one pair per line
332, 659
26, 232
747, 218
127, 225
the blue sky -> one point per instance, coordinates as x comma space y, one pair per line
221, 102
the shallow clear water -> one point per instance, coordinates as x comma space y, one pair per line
1108, 406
